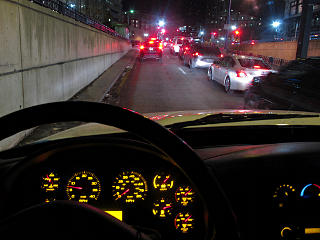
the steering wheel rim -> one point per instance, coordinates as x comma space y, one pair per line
219, 213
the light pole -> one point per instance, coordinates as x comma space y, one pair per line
276, 24
228, 24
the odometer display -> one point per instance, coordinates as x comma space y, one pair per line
129, 187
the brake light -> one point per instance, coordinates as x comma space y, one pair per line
152, 39
151, 42
186, 48
196, 54
141, 47
257, 67
241, 74
221, 55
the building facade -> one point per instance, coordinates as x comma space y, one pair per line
292, 16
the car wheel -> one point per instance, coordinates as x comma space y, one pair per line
227, 84
191, 65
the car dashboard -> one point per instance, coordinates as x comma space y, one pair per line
131, 181
273, 188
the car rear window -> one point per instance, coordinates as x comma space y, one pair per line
253, 63
154, 44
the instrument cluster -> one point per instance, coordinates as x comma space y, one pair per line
161, 198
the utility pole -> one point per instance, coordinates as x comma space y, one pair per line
305, 27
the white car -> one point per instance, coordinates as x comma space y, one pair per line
177, 43
236, 72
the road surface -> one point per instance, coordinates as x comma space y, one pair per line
152, 86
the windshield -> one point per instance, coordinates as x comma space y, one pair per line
102, 51
253, 63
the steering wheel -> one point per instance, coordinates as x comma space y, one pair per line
221, 221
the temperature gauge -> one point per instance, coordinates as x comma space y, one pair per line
163, 182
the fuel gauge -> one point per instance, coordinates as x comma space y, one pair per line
184, 222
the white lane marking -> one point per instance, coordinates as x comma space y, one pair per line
181, 70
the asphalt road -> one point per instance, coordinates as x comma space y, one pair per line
152, 86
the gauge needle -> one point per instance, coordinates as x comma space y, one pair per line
166, 207
123, 193
164, 181
187, 219
187, 192
80, 188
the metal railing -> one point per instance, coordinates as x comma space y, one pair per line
65, 10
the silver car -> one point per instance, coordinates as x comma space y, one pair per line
236, 72
200, 56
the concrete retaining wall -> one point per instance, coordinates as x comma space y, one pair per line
284, 50
46, 57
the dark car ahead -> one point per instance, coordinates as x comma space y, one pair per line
201, 56
295, 87
151, 49
186, 44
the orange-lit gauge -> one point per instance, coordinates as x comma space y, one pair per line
49, 184
184, 195
83, 187
129, 187
184, 222
163, 182
162, 208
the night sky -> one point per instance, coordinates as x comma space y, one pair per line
174, 8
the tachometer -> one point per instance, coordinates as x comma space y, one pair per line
83, 187
129, 187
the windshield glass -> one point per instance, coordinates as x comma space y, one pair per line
253, 63
102, 51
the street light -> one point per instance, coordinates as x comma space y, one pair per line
276, 24
161, 23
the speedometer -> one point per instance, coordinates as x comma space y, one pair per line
129, 187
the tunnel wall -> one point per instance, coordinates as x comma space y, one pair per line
47, 57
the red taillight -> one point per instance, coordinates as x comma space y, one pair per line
196, 54
160, 47
151, 42
257, 67
141, 47
186, 48
241, 74
221, 55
